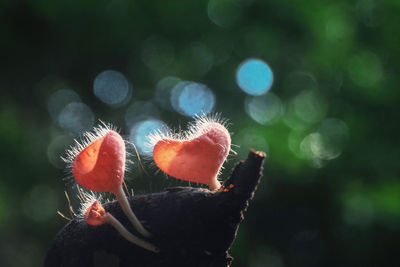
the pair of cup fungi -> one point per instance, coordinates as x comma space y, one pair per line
98, 164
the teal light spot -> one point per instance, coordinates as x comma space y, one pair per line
254, 77
112, 87
140, 132
190, 99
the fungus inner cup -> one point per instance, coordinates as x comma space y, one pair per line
96, 215
196, 157
99, 165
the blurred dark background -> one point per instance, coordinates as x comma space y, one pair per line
327, 115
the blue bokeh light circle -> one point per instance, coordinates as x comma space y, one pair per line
76, 117
140, 132
190, 98
112, 87
254, 77
59, 99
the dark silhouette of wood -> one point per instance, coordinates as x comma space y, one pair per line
190, 226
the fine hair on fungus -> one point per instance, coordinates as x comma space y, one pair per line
94, 214
98, 164
196, 155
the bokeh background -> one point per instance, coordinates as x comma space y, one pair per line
313, 83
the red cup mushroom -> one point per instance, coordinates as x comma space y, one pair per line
98, 164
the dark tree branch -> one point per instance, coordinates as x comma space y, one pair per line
191, 226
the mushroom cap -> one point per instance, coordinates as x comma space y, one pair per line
100, 166
95, 214
197, 159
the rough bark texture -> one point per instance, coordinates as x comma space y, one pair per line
190, 226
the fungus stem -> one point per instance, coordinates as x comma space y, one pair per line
214, 184
108, 218
126, 208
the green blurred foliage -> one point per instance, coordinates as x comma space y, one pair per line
331, 191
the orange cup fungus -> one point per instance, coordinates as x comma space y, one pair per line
96, 215
198, 157
98, 164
